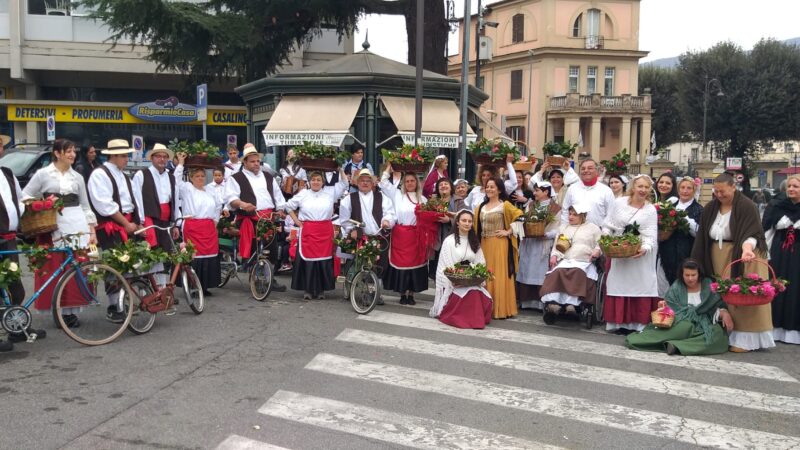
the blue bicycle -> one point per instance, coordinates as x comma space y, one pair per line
95, 292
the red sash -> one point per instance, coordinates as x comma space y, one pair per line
10, 236
405, 251
150, 235
110, 227
247, 231
202, 233
316, 240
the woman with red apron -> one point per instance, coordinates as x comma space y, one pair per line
407, 272
313, 268
201, 229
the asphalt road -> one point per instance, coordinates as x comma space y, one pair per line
297, 374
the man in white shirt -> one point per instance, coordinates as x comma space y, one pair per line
591, 191
366, 206
233, 165
157, 197
253, 194
112, 200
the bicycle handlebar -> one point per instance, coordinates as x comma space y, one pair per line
167, 228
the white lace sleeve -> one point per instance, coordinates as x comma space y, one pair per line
443, 286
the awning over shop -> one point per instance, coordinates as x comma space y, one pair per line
789, 171
441, 121
321, 119
500, 133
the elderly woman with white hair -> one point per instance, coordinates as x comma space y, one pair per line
534, 252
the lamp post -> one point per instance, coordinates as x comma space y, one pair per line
709, 84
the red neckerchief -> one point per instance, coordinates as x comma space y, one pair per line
590, 184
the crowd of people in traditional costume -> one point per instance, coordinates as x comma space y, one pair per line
557, 272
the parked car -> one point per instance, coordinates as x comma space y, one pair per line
25, 159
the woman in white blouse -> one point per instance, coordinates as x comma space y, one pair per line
205, 208
313, 267
61, 180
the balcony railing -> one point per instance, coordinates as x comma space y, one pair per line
598, 102
595, 42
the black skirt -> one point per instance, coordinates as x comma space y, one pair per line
208, 271
402, 280
314, 277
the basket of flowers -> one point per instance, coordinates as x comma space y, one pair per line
492, 153
433, 209
670, 219
524, 164
346, 244
563, 243
199, 155
369, 247
409, 158
663, 316
618, 164
556, 153
40, 216
535, 220
468, 275
320, 157
750, 289
623, 246
133, 257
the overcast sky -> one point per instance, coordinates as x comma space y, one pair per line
667, 27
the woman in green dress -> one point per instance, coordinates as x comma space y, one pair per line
698, 313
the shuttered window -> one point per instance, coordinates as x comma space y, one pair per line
516, 85
518, 28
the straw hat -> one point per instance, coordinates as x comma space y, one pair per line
5, 139
250, 149
160, 148
364, 173
117, 147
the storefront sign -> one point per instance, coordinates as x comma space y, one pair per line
334, 139
435, 140
116, 114
169, 110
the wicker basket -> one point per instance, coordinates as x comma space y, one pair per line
621, 251
464, 282
410, 167
534, 229
662, 320
202, 162
487, 161
325, 165
523, 166
664, 235
747, 299
563, 245
555, 160
33, 223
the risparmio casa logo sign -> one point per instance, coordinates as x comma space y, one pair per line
169, 110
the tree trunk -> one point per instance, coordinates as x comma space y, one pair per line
436, 30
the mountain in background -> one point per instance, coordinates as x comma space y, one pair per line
673, 61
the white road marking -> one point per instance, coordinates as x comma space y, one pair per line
235, 442
386, 426
683, 389
705, 363
651, 423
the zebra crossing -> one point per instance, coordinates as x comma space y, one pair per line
390, 354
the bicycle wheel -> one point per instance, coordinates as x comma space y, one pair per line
142, 320
261, 279
105, 304
226, 267
365, 291
193, 290
348, 272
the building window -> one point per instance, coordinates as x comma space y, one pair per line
576, 27
695, 153
49, 7
608, 88
516, 85
517, 133
481, 82
591, 80
574, 73
518, 28
593, 22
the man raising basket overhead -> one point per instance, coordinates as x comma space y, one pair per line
254, 194
157, 196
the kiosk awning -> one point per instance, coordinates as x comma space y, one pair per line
500, 133
441, 120
320, 119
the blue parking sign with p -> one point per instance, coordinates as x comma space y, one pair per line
51, 128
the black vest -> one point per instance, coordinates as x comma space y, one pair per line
246, 193
377, 207
12, 185
150, 204
334, 179
115, 197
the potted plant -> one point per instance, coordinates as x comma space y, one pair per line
557, 152
670, 219
535, 220
320, 157
199, 155
409, 158
491, 152
618, 164
464, 275
623, 246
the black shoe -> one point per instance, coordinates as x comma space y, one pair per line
277, 287
671, 350
40, 334
6, 346
403, 300
549, 317
71, 320
380, 301
207, 294
115, 316
410, 300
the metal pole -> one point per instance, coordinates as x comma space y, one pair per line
478, 47
462, 160
418, 93
205, 136
705, 117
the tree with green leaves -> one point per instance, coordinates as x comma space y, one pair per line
663, 85
247, 40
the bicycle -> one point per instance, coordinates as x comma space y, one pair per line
260, 269
362, 282
152, 298
91, 277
